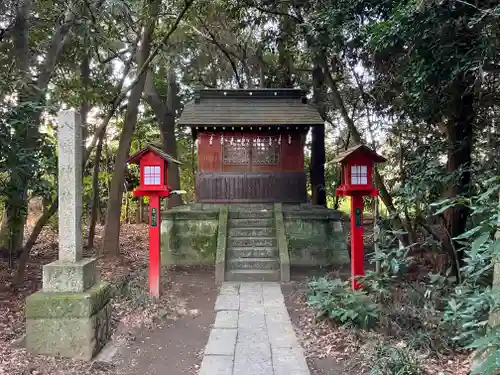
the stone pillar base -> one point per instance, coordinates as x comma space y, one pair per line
69, 324
65, 277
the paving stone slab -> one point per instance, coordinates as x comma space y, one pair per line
253, 336
251, 320
282, 336
227, 302
273, 303
221, 342
288, 361
217, 365
273, 296
251, 304
251, 288
271, 289
229, 288
252, 360
247, 299
277, 315
254, 309
226, 319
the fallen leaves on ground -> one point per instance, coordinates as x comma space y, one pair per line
133, 310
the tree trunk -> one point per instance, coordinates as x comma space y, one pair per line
127, 208
95, 193
139, 217
4, 230
494, 319
317, 167
460, 139
85, 106
169, 140
165, 114
286, 32
21, 266
376, 232
110, 243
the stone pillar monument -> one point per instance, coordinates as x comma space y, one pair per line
70, 316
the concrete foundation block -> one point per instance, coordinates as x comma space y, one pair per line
63, 277
74, 325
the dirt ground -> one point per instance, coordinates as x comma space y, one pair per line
175, 346
153, 337
293, 293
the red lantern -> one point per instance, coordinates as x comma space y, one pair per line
153, 164
357, 181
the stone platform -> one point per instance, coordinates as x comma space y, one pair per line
69, 324
253, 242
252, 334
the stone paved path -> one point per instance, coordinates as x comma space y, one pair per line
252, 334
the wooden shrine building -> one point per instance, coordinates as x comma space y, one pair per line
250, 144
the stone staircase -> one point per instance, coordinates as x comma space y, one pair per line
252, 249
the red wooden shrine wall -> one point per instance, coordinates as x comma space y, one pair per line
290, 150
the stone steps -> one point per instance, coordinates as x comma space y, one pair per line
251, 242
251, 206
253, 264
253, 252
251, 223
250, 214
251, 232
252, 275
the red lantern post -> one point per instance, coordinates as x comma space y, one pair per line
357, 181
153, 164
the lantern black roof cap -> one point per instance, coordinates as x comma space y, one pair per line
155, 148
360, 148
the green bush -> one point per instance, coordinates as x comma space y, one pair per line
487, 352
331, 298
391, 360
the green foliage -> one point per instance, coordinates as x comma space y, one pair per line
331, 298
487, 352
433, 51
392, 360
470, 304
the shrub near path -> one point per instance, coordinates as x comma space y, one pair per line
388, 348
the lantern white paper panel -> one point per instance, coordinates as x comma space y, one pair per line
359, 175
152, 175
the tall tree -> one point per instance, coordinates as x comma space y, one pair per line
24, 117
165, 115
110, 243
317, 170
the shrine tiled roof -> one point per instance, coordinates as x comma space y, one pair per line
269, 107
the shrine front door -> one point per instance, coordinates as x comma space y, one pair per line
251, 153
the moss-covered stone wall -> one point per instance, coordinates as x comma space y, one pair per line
189, 236
315, 236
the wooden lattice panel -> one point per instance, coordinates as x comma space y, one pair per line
236, 151
265, 151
